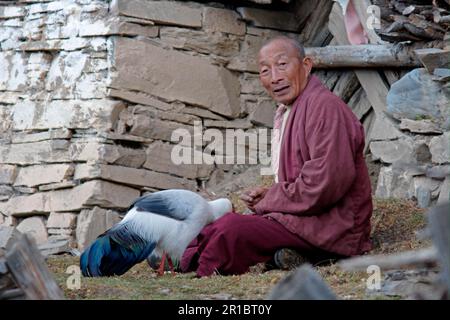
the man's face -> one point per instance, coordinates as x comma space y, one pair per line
282, 73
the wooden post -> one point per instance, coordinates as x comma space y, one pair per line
439, 220
422, 257
363, 56
30, 272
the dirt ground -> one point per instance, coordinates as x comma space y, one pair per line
394, 225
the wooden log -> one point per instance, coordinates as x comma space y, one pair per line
315, 31
398, 36
433, 58
359, 103
392, 76
420, 27
362, 56
439, 221
10, 294
303, 284
303, 11
422, 257
328, 77
30, 271
447, 41
346, 85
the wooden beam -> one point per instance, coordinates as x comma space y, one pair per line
433, 58
315, 32
362, 56
346, 85
422, 257
30, 271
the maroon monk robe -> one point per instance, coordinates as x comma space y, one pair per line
324, 193
323, 199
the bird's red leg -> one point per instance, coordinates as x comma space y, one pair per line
169, 260
162, 265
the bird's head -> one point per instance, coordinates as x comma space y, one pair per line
220, 207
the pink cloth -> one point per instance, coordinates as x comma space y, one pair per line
324, 193
355, 31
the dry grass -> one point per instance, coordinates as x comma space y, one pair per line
394, 224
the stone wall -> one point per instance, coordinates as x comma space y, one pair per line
91, 92
416, 164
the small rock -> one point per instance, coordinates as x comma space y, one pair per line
417, 96
34, 227
61, 220
165, 291
440, 148
55, 247
420, 126
444, 193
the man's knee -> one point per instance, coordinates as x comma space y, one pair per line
231, 224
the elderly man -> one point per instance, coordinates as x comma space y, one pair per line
320, 204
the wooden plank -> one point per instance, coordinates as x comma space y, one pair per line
422, 257
439, 221
280, 20
328, 77
315, 31
303, 284
303, 10
346, 85
10, 294
371, 81
434, 58
362, 56
392, 76
359, 103
375, 88
30, 271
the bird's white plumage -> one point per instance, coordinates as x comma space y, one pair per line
173, 235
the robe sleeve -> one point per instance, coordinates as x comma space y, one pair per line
326, 177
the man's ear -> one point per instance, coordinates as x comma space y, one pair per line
307, 64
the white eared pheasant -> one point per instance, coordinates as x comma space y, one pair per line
163, 222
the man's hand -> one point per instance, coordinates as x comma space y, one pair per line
252, 196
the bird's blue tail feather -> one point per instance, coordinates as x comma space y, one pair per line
114, 252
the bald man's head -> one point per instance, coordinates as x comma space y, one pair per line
294, 44
283, 69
